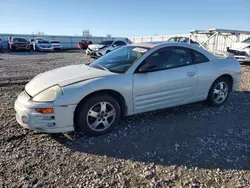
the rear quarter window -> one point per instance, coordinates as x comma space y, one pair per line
199, 57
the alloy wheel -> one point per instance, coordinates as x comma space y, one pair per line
101, 116
220, 92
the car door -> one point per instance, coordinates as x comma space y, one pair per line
171, 82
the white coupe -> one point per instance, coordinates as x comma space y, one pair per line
133, 79
98, 50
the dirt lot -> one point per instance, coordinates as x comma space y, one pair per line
187, 146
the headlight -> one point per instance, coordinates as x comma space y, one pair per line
49, 94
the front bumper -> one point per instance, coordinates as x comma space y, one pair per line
93, 53
242, 58
57, 47
58, 122
240, 55
45, 49
20, 47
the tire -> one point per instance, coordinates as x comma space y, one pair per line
215, 91
84, 121
108, 51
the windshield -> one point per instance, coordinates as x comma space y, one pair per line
19, 40
247, 40
43, 42
120, 60
107, 42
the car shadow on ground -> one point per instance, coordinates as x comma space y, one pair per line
191, 135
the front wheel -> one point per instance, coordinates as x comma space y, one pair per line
108, 51
97, 115
219, 92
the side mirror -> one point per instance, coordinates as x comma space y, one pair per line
146, 68
114, 45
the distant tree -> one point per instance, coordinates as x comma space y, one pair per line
86, 33
108, 35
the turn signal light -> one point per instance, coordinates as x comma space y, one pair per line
45, 110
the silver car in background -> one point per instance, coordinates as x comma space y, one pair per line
56, 45
42, 45
133, 79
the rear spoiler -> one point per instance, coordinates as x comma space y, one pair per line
222, 54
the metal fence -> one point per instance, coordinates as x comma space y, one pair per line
154, 38
68, 42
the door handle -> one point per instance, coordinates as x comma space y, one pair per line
190, 74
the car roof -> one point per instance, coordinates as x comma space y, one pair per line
160, 44
149, 44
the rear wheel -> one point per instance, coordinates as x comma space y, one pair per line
219, 92
97, 115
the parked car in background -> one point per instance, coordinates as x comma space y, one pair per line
104, 47
241, 50
42, 45
32, 41
18, 43
133, 79
182, 39
84, 44
56, 45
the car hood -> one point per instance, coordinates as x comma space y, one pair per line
240, 45
95, 46
63, 76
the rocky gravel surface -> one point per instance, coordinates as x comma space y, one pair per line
186, 146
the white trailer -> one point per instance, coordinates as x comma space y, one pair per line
222, 40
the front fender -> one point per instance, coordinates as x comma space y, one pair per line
121, 83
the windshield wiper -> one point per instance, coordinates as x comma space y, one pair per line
102, 67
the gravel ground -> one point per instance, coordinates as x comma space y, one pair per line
187, 146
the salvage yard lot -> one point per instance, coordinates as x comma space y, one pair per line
190, 145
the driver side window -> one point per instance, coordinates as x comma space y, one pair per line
170, 57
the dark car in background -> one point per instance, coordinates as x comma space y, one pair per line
18, 43
84, 44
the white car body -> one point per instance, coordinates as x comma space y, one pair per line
98, 50
241, 50
42, 45
56, 45
141, 92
